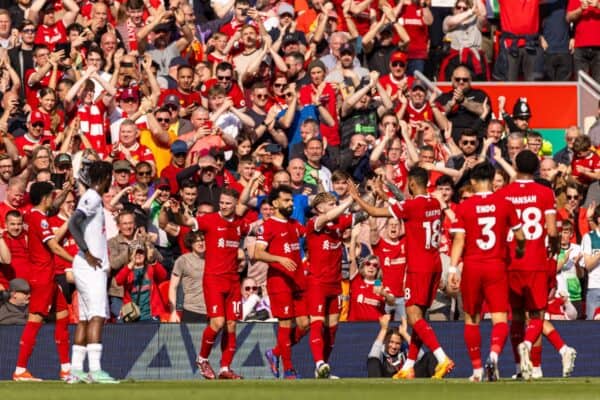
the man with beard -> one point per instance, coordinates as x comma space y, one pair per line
163, 49
463, 104
346, 72
189, 99
278, 244
249, 42
295, 69
6, 172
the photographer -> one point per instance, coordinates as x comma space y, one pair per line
14, 303
389, 351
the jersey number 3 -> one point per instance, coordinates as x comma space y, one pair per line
488, 239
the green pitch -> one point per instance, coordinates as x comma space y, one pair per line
343, 389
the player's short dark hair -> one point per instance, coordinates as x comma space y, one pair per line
527, 162
39, 190
483, 172
188, 184
14, 214
190, 238
444, 180
98, 171
419, 175
230, 192
274, 194
469, 132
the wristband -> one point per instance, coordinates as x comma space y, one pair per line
453, 270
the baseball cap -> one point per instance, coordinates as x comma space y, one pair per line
129, 93
136, 245
178, 147
62, 159
36, 116
177, 61
121, 165
417, 84
19, 285
347, 48
163, 183
399, 56
285, 8
171, 100
289, 39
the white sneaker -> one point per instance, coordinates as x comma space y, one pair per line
526, 366
568, 362
537, 373
476, 378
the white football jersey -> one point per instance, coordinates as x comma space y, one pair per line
94, 228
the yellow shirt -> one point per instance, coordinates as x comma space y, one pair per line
162, 154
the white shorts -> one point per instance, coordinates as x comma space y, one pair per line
92, 289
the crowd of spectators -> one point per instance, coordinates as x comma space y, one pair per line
186, 99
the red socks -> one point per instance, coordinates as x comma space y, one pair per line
330, 332
284, 347
517, 329
27, 342
533, 330
61, 338
473, 341
426, 334
556, 340
208, 339
296, 335
316, 341
499, 335
536, 356
228, 347
415, 346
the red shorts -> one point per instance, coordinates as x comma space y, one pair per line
46, 298
421, 287
528, 289
484, 282
223, 297
323, 300
288, 304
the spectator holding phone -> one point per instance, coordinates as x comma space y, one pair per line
255, 307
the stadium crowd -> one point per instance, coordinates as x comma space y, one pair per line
229, 106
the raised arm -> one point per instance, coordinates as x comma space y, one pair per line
371, 210
333, 213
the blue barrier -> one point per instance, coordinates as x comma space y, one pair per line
168, 351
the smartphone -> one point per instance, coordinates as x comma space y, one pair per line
63, 46
208, 124
273, 148
244, 12
324, 99
58, 180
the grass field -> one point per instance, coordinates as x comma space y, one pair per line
343, 389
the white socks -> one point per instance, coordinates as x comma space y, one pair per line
77, 357
439, 354
94, 351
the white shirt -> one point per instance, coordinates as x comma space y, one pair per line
94, 228
594, 274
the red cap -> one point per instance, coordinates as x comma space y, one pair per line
36, 116
129, 93
399, 56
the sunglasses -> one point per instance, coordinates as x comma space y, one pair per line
122, 171
279, 85
461, 8
398, 64
223, 78
180, 154
262, 96
249, 288
28, 31
126, 64
372, 264
469, 142
38, 125
576, 197
144, 173
462, 79
162, 120
129, 100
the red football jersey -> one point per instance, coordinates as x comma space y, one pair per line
591, 161
222, 242
532, 202
282, 238
67, 243
364, 304
19, 253
392, 258
41, 259
411, 17
325, 250
422, 222
51, 35
485, 219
